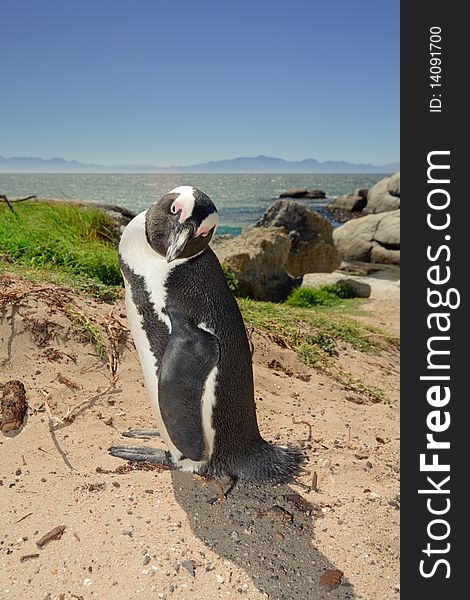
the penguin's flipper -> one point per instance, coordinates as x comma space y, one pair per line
143, 454
190, 356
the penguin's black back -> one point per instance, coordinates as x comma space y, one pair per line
199, 289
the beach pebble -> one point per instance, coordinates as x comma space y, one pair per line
373, 497
146, 560
235, 536
189, 566
219, 578
144, 550
87, 582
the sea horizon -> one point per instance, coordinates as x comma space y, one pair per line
241, 198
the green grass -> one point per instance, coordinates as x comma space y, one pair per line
375, 394
74, 246
316, 334
61, 239
326, 295
313, 333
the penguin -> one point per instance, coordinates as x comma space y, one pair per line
193, 347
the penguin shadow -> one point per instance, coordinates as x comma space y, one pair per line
267, 531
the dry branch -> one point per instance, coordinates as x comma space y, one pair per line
54, 534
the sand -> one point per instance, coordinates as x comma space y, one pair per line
133, 533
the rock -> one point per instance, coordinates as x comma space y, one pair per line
303, 193
381, 271
315, 280
384, 195
316, 194
288, 241
189, 566
340, 215
388, 231
258, 257
235, 536
353, 202
297, 193
361, 193
384, 255
373, 238
312, 248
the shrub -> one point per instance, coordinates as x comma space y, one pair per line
326, 295
231, 279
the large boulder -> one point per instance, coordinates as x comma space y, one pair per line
384, 195
312, 247
258, 259
354, 202
372, 238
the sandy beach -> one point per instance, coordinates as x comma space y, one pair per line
133, 533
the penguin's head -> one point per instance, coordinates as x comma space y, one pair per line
182, 223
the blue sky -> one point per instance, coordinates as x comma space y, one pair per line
162, 82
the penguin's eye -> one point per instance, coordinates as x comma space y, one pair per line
173, 209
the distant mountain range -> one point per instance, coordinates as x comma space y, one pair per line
257, 164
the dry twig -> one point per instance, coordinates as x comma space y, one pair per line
26, 557
23, 518
54, 534
309, 425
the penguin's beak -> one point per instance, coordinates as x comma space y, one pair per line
180, 235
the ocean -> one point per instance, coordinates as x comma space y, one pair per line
240, 198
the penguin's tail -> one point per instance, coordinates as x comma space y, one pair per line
270, 463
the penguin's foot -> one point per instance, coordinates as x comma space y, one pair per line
143, 454
233, 483
141, 434
222, 495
